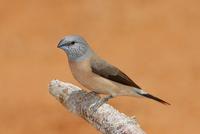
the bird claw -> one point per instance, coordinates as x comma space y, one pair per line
94, 107
93, 93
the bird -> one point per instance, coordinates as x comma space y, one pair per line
96, 74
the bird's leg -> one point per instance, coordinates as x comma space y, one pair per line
105, 99
92, 93
100, 103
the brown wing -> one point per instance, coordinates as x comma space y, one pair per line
110, 72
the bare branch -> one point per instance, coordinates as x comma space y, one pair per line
106, 119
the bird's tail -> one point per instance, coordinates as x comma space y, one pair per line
155, 98
147, 95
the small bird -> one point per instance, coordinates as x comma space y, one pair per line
98, 75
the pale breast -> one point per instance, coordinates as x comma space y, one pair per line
83, 73
80, 70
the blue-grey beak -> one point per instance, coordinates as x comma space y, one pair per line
61, 44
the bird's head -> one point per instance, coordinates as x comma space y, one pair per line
74, 46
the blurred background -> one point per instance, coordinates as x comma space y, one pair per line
160, 39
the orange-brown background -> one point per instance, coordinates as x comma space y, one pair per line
157, 43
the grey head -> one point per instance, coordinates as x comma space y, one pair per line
75, 47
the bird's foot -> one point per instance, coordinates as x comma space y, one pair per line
90, 94
99, 103
93, 93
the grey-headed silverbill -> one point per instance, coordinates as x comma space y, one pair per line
96, 74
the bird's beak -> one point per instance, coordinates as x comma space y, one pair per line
60, 44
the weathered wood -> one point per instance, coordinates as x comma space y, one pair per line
106, 119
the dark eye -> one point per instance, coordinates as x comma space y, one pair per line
73, 42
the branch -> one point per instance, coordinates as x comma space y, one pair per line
106, 119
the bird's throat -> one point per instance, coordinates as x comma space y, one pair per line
80, 56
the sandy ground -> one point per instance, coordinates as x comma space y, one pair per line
155, 42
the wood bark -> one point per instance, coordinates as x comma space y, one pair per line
105, 119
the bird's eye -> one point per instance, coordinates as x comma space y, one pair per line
73, 42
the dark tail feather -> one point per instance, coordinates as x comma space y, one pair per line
155, 98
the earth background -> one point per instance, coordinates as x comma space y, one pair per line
157, 43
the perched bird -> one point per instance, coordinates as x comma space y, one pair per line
96, 74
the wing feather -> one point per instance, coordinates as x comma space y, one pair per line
110, 72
